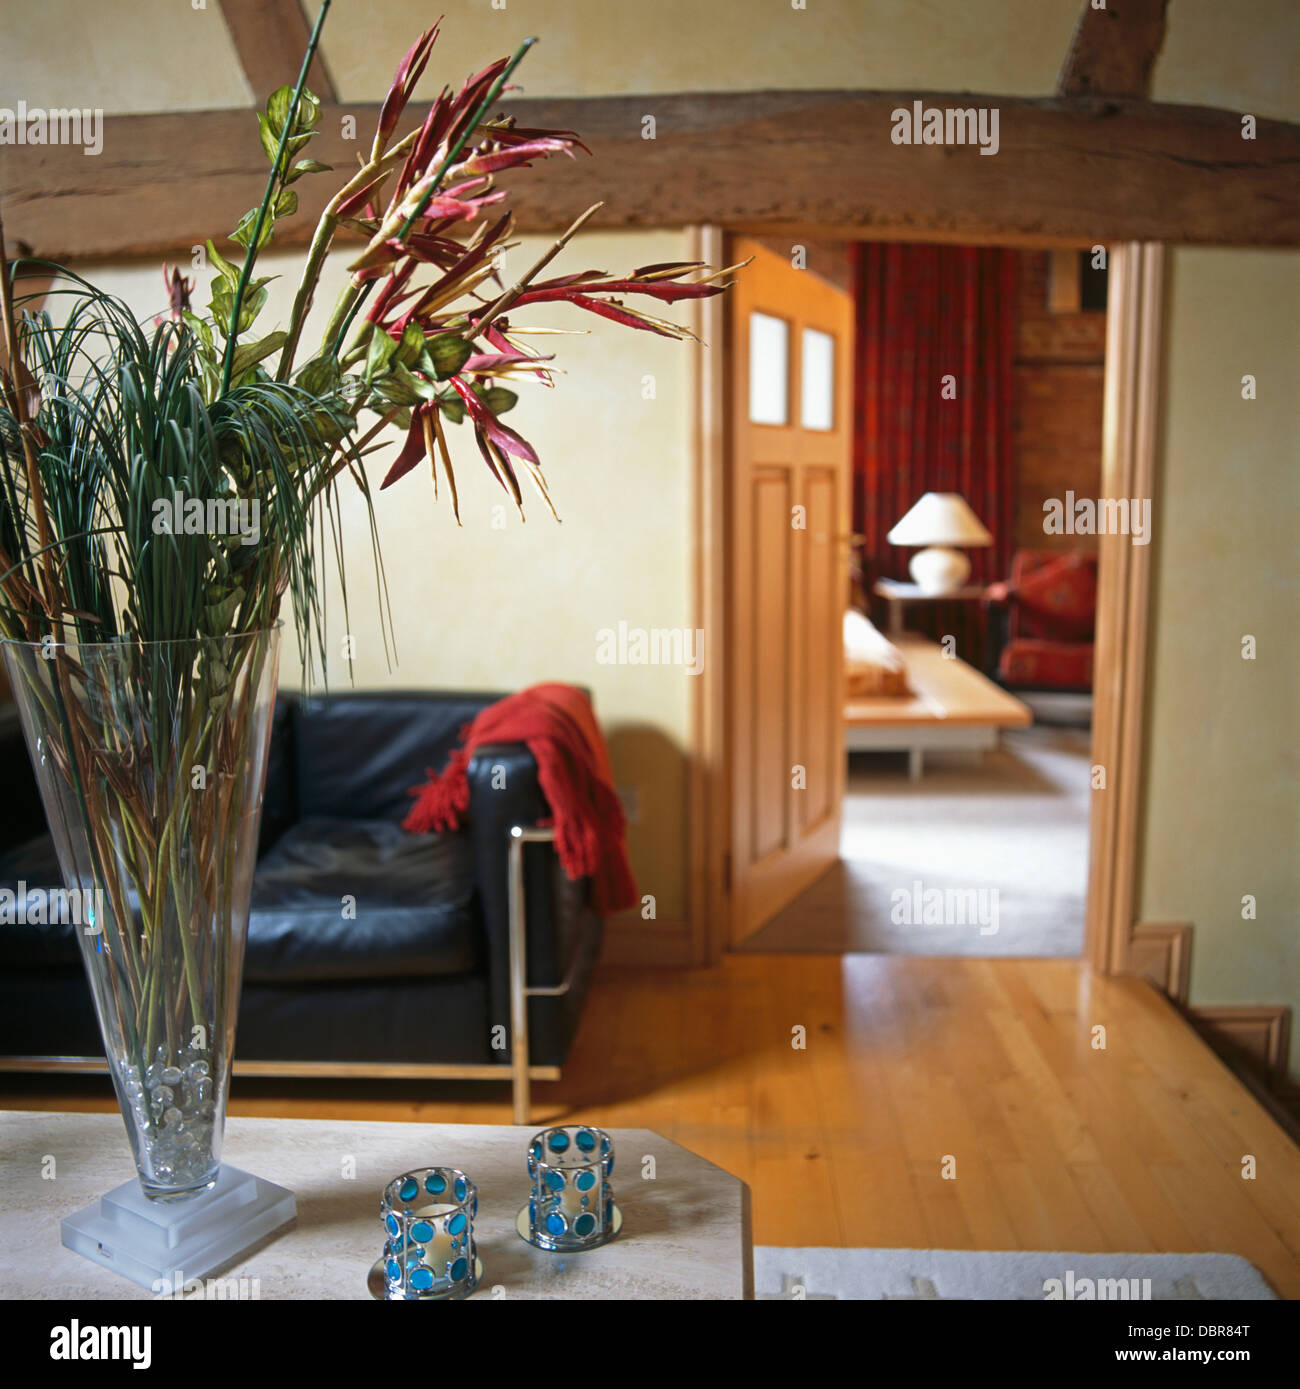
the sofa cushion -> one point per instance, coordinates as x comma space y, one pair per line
1059, 598
413, 897
1030, 662
357, 755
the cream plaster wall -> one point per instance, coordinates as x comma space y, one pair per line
119, 55
1222, 808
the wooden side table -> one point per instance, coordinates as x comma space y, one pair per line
898, 595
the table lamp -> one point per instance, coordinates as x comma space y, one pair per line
940, 521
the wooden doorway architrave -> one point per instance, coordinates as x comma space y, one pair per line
1134, 353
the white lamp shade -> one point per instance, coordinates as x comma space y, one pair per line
940, 518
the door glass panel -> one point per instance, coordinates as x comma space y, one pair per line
817, 371
769, 369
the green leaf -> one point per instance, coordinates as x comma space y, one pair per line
401, 387
200, 326
327, 427
223, 301
446, 354
497, 399
228, 272
253, 303
411, 346
452, 406
247, 354
379, 352
320, 376
270, 138
286, 203
308, 110
277, 109
306, 166
243, 233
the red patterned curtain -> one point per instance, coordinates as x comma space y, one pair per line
926, 313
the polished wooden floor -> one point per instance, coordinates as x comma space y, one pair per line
988, 1066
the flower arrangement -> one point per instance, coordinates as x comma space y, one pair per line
423, 336
142, 650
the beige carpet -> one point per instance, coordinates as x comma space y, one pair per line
984, 857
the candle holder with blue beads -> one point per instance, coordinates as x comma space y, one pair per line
430, 1254
571, 1208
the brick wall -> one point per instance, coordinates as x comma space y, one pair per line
1057, 422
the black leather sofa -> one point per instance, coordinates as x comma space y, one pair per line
419, 980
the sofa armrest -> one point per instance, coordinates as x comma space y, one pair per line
562, 933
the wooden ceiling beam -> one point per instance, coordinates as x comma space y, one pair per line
1114, 50
1066, 172
270, 38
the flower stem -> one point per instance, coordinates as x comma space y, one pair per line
250, 259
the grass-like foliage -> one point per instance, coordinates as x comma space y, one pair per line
116, 419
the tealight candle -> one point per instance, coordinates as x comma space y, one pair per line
572, 1204
430, 1252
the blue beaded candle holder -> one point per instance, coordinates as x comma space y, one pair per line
429, 1254
572, 1204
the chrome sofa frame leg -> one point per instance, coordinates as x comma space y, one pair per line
520, 992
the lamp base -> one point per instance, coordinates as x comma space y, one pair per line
939, 569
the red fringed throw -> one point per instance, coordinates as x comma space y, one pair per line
559, 727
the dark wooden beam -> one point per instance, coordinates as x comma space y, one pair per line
271, 37
1067, 172
1114, 49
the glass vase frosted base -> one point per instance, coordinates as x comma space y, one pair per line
150, 1241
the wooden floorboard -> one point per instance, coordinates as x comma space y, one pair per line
908, 1062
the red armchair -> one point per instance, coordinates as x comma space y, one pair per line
1048, 609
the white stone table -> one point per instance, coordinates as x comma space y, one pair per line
686, 1233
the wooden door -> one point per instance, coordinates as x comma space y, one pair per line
790, 431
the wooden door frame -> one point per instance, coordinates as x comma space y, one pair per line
1135, 349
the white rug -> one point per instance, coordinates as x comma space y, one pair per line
979, 1275
1014, 824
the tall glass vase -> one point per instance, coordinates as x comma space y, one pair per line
151, 761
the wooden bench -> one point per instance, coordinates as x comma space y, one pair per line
952, 706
